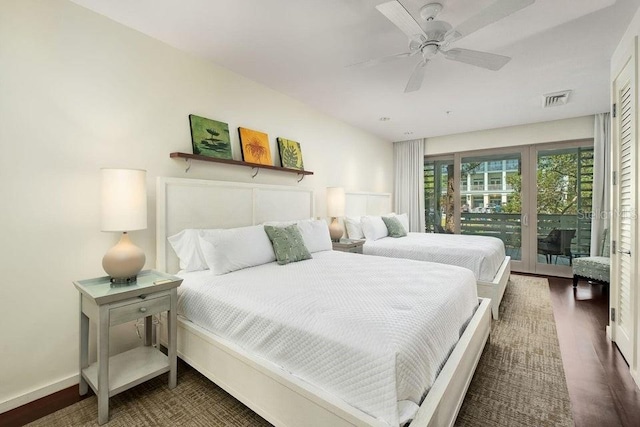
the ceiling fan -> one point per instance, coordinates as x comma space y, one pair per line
432, 37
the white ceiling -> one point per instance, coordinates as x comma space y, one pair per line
302, 48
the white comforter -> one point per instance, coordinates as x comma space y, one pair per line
480, 254
372, 331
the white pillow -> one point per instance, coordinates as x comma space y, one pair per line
187, 246
354, 227
404, 220
373, 227
315, 233
236, 248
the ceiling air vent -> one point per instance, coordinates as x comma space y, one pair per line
555, 99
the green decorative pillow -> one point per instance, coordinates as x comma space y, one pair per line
287, 244
394, 226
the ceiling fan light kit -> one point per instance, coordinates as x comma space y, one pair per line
430, 36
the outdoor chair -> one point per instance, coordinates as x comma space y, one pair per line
557, 243
594, 268
439, 229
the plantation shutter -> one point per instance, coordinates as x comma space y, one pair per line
626, 206
623, 217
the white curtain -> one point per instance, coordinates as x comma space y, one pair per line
601, 180
408, 192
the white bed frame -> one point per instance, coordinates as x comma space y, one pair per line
276, 395
364, 203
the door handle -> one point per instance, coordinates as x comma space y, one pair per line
624, 252
525, 220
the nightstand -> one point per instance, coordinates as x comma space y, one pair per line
348, 245
110, 305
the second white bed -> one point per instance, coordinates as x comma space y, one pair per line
482, 255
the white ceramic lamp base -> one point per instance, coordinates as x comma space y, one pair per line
124, 261
335, 230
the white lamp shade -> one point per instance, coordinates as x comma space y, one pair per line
124, 199
335, 201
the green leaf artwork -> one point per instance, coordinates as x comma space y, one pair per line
290, 154
210, 138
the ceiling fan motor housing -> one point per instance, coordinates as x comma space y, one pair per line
436, 30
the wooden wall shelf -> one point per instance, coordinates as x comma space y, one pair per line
188, 157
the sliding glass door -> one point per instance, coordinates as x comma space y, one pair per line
491, 198
536, 199
563, 207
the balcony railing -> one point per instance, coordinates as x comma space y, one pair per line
507, 228
490, 187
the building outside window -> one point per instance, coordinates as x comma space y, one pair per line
495, 182
490, 194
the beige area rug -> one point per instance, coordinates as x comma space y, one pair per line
519, 381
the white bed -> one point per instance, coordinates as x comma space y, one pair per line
276, 394
484, 256
330, 329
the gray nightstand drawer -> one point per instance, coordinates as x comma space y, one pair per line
136, 310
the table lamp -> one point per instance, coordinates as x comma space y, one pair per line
124, 209
335, 209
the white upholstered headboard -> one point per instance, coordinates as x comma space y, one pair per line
363, 203
197, 203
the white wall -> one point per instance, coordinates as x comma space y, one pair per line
79, 92
534, 133
620, 55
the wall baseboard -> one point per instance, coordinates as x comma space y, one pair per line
39, 393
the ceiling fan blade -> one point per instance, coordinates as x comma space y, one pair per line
415, 81
490, 61
382, 60
396, 13
487, 16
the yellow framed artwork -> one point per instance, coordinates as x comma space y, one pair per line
255, 146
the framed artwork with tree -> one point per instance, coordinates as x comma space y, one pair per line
210, 138
290, 154
255, 146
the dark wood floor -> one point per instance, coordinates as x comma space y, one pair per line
601, 389
600, 386
41, 407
